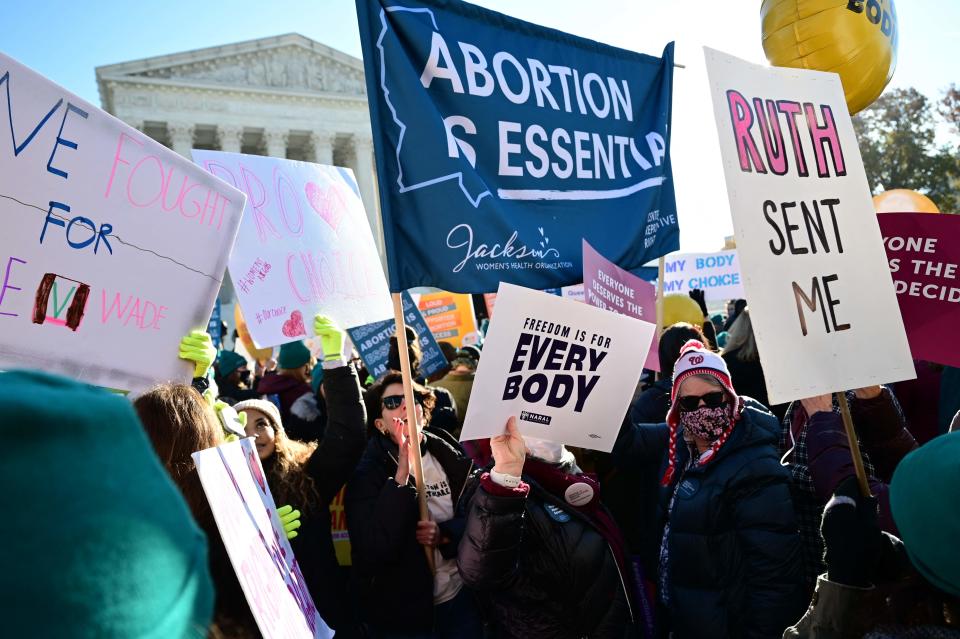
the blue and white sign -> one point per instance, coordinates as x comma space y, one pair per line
501, 145
372, 341
716, 274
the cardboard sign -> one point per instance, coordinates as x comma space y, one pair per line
924, 258
113, 246
304, 247
372, 341
449, 316
611, 288
501, 143
824, 311
566, 371
236, 488
716, 274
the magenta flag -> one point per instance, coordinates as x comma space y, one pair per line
607, 286
924, 257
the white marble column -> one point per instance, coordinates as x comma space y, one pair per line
323, 142
276, 141
230, 137
363, 150
181, 137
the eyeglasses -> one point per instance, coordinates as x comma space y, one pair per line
689, 403
392, 402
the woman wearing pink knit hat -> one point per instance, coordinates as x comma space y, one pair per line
728, 562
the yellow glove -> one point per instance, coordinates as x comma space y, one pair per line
197, 347
289, 519
232, 422
331, 337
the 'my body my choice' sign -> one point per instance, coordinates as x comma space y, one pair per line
501, 144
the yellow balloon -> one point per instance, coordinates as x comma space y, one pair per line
681, 308
903, 201
259, 354
856, 39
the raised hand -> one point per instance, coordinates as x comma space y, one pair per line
509, 451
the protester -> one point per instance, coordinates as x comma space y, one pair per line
445, 414
301, 409
743, 361
309, 475
653, 404
449, 354
459, 383
96, 540
543, 553
817, 454
234, 381
179, 422
398, 593
734, 308
730, 553
877, 587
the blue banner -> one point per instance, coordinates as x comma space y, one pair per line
500, 144
372, 341
213, 326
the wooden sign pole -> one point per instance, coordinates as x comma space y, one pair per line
413, 431
854, 444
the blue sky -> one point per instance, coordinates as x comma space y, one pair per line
67, 40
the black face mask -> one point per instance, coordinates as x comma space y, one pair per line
246, 378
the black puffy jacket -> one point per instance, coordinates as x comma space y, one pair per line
390, 566
329, 466
734, 565
542, 569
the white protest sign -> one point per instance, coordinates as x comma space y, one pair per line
113, 246
716, 274
813, 264
566, 370
236, 488
304, 247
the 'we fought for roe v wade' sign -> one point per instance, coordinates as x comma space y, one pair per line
113, 247
502, 144
304, 247
813, 265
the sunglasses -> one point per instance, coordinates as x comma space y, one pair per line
392, 402
690, 403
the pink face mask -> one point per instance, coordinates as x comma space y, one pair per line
706, 423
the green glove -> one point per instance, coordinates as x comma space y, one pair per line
197, 347
331, 337
289, 519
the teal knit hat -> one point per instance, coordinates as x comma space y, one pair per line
97, 541
229, 361
925, 513
293, 355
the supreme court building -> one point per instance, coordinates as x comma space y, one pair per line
284, 96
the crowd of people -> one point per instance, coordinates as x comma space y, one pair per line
716, 515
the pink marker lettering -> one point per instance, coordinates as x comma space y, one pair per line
741, 117
825, 136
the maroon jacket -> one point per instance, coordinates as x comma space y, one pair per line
883, 435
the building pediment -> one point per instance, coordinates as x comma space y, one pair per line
288, 63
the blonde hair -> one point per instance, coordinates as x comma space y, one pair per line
742, 340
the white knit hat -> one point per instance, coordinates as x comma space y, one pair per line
268, 408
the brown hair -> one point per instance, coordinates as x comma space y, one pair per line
179, 423
375, 395
289, 481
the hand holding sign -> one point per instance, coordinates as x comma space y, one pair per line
509, 451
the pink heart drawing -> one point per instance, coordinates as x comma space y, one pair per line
293, 327
327, 202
